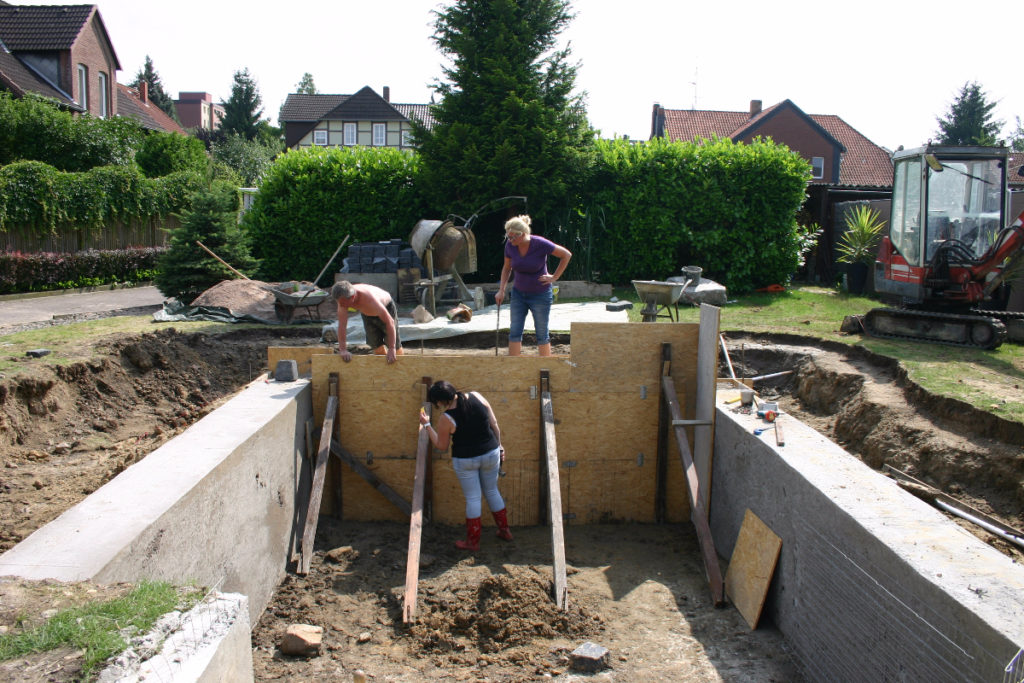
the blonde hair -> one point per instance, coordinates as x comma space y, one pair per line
519, 224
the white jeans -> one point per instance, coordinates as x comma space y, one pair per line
479, 479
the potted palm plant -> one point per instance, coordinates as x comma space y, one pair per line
858, 245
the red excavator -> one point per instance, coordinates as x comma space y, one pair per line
948, 262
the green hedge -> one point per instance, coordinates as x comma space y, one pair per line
47, 271
729, 208
310, 199
36, 198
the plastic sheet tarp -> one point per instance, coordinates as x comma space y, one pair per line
177, 312
484, 320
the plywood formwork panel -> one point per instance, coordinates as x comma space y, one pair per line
302, 355
605, 398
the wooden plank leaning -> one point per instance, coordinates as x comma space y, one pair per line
372, 479
412, 563
697, 505
317, 491
549, 453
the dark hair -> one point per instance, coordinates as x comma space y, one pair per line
441, 392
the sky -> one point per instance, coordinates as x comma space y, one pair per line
888, 68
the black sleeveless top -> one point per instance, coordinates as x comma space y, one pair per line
473, 434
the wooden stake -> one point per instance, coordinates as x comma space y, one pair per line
550, 455
323, 455
412, 564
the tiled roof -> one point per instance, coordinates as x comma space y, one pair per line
20, 78
1016, 162
364, 105
300, 107
863, 163
130, 104
421, 112
42, 28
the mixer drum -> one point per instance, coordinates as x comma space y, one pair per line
448, 244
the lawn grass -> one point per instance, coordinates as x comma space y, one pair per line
99, 628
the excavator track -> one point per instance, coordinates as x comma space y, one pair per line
1013, 320
976, 331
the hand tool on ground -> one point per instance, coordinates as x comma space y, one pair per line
760, 430
325, 267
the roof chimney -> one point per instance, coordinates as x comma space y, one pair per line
387, 94
755, 108
144, 92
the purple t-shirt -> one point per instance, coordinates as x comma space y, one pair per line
528, 269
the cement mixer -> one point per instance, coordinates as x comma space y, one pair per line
447, 250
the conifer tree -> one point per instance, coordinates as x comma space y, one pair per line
508, 122
242, 110
305, 85
157, 94
969, 119
186, 270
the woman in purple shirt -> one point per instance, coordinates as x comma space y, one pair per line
526, 255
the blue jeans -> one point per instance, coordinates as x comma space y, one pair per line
539, 305
479, 479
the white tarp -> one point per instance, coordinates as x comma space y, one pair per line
485, 320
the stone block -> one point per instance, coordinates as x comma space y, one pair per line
286, 371
589, 657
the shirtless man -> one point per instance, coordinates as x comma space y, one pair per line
380, 316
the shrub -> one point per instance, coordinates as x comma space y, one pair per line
311, 199
164, 153
34, 128
729, 208
250, 159
186, 269
44, 271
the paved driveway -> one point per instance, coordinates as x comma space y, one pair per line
20, 310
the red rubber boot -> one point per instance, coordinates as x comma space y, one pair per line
472, 542
504, 533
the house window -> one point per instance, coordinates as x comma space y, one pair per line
350, 134
83, 86
817, 167
104, 96
380, 134
320, 138
406, 138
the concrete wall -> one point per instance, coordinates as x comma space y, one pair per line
215, 505
872, 584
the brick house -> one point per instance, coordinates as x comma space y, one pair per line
364, 118
135, 103
59, 51
198, 110
846, 166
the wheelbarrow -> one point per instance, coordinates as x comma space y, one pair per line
290, 296
659, 296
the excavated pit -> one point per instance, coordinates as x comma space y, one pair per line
68, 430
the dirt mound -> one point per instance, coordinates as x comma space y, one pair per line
241, 297
498, 613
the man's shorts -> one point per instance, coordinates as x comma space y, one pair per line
377, 331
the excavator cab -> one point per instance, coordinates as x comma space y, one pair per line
950, 254
949, 205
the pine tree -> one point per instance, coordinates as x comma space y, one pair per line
157, 94
969, 119
305, 85
508, 122
186, 270
242, 111
1016, 141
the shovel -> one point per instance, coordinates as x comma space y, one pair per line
324, 269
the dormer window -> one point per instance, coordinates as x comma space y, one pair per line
817, 167
83, 86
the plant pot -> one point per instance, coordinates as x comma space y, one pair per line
856, 277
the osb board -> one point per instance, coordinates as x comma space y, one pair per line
606, 410
751, 567
302, 356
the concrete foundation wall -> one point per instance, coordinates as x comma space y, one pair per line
215, 505
872, 584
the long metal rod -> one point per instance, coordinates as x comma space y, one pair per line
728, 361
1012, 538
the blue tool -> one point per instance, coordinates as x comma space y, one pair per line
757, 432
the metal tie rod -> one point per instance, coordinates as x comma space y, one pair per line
687, 423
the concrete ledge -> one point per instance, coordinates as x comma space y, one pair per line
216, 505
872, 584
